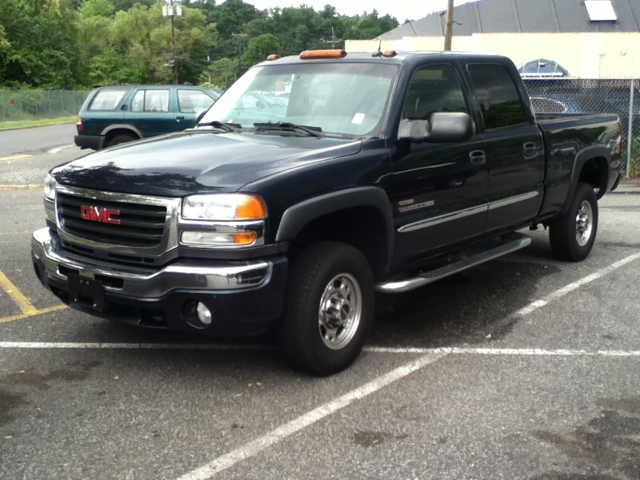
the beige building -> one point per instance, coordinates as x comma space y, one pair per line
564, 31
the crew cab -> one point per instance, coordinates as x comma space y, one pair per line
362, 173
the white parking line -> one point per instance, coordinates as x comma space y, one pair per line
371, 349
271, 438
537, 304
428, 356
527, 352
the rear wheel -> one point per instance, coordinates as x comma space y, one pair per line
573, 234
124, 138
329, 308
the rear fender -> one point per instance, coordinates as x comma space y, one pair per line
582, 158
122, 126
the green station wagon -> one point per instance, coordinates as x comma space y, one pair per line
117, 114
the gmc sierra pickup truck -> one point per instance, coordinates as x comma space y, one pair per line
314, 182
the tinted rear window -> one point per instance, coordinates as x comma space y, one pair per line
497, 94
107, 99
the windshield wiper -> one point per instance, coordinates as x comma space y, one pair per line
290, 127
227, 127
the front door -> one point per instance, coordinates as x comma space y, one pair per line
439, 190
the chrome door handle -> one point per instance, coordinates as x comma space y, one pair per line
477, 157
179, 118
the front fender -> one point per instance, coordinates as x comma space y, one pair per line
297, 216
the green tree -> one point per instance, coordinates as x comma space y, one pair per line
260, 48
101, 8
221, 73
42, 41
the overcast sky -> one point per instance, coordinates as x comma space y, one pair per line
401, 9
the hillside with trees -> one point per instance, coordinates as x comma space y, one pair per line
72, 44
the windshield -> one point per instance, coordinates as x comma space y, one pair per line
343, 99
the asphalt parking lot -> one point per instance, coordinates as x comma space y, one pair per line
521, 368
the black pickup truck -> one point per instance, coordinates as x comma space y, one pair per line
314, 182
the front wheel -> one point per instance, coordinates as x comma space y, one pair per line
329, 308
573, 234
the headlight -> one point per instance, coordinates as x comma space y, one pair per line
49, 187
234, 206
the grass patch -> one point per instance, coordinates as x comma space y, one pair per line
31, 123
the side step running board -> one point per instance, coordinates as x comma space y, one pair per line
465, 259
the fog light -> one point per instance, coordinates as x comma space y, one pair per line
204, 314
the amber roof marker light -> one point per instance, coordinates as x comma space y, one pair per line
273, 56
318, 54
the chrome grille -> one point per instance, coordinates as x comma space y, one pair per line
140, 225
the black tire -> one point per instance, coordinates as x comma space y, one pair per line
565, 230
118, 139
300, 331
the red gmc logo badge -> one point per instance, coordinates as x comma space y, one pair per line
97, 214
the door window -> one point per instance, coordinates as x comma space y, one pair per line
497, 94
156, 101
137, 104
192, 101
433, 89
152, 101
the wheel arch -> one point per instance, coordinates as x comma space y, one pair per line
120, 129
592, 166
360, 217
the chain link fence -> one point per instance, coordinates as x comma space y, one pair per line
618, 96
37, 104
561, 95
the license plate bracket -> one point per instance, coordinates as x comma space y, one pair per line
87, 291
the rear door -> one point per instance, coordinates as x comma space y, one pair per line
439, 190
514, 147
150, 112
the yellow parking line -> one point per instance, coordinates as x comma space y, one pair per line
23, 302
32, 314
21, 187
14, 157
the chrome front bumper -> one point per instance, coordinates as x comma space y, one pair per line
54, 263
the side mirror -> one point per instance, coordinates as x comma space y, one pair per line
441, 127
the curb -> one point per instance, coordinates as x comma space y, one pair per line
35, 126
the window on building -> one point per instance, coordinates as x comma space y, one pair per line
497, 94
601, 11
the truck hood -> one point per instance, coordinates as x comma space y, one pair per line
198, 161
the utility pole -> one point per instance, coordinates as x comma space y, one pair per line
172, 11
448, 31
173, 41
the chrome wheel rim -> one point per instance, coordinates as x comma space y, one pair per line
584, 223
340, 311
